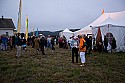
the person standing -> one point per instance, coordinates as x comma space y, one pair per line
60, 42
32, 39
100, 45
105, 43
42, 44
82, 49
74, 45
18, 45
23, 44
10, 42
69, 42
4, 42
52, 43
13, 41
36, 44
49, 42
87, 42
113, 45
90, 45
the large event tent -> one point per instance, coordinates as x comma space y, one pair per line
109, 23
113, 26
67, 33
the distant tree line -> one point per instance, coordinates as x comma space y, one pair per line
46, 33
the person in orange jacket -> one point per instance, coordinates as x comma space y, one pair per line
82, 49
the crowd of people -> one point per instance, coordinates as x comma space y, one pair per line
19, 42
39, 43
80, 45
13, 42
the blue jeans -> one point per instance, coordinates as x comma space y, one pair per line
49, 45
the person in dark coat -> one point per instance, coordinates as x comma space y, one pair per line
13, 41
33, 41
52, 43
105, 43
113, 43
87, 42
18, 45
23, 43
100, 45
90, 45
42, 44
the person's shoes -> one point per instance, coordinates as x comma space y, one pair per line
82, 65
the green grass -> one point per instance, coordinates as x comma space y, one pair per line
56, 67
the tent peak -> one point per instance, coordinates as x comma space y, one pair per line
67, 30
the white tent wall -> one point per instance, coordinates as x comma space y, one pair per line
117, 31
67, 33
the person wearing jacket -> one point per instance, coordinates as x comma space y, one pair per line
82, 49
74, 45
42, 44
18, 45
36, 44
4, 42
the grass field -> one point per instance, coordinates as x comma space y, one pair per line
56, 67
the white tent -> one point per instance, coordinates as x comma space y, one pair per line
117, 17
114, 24
67, 33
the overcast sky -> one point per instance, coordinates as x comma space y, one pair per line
55, 15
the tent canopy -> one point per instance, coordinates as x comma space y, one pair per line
116, 18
